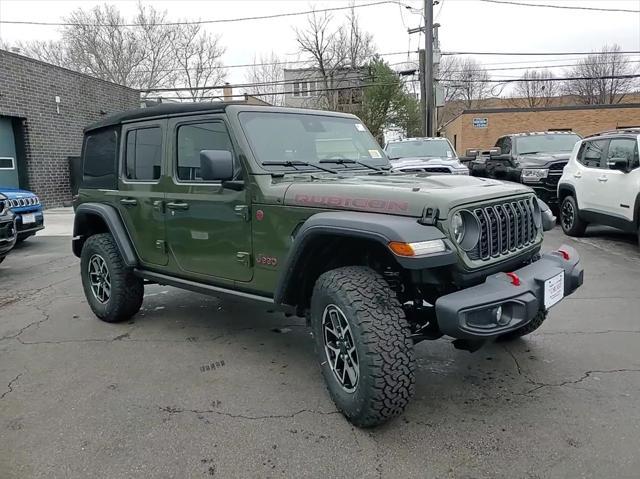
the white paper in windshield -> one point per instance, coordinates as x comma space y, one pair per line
360, 127
375, 154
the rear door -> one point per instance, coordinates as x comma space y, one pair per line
140, 196
589, 173
208, 225
619, 189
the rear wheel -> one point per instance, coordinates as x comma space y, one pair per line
111, 289
363, 345
570, 220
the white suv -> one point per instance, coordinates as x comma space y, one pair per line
601, 183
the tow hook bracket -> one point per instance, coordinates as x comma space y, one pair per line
468, 345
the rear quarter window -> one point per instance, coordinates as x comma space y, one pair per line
99, 159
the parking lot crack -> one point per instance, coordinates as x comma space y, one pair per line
46, 317
586, 375
175, 410
10, 386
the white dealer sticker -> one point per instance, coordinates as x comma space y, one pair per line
375, 154
553, 290
360, 127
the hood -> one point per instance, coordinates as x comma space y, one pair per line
399, 194
542, 159
418, 161
15, 193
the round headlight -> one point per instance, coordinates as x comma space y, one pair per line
465, 229
457, 227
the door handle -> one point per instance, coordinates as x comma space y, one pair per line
577, 175
602, 179
177, 205
129, 201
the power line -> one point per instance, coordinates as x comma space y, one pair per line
552, 79
206, 22
564, 7
630, 52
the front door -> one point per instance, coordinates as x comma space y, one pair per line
8, 162
619, 189
589, 173
140, 195
208, 225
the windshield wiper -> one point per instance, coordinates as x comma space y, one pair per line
294, 163
346, 161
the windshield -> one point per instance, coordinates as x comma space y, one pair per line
545, 143
296, 137
420, 148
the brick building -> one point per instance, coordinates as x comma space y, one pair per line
481, 127
43, 110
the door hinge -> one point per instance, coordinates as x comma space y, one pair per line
242, 211
161, 245
244, 258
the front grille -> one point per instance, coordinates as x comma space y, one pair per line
437, 169
505, 227
559, 166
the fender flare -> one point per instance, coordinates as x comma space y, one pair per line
567, 187
111, 218
375, 227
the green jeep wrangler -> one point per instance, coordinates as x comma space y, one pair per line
298, 208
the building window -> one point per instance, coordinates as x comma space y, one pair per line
305, 88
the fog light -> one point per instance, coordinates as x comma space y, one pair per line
501, 319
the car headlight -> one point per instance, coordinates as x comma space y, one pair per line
533, 175
457, 227
465, 229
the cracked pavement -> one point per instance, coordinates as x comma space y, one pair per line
198, 387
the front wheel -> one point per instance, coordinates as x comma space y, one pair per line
111, 289
570, 220
363, 344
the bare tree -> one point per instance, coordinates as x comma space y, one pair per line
533, 91
153, 54
334, 53
471, 80
595, 84
267, 77
198, 55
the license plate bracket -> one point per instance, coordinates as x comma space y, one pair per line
28, 218
553, 290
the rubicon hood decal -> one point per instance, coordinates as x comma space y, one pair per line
367, 204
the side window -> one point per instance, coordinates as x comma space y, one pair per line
626, 148
591, 153
506, 146
192, 139
100, 159
143, 157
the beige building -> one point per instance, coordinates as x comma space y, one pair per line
480, 128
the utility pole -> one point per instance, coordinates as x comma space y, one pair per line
423, 92
428, 82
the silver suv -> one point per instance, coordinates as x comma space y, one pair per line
425, 155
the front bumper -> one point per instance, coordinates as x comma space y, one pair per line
29, 227
472, 313
7, 236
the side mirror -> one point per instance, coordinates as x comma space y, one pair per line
618, 164
495, 152
471, 152
216, 165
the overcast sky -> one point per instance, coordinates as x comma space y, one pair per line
467, 25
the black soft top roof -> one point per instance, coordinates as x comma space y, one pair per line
164, 109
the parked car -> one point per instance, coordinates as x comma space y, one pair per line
7, 228
535, 159
424, 155
601, 183
242, 201
28, 210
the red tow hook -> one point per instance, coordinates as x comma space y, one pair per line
515, 280
564, 254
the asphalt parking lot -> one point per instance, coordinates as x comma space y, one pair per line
197, 387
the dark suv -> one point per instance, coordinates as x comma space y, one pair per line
535, 159
298, 209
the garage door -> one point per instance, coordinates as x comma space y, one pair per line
8, 163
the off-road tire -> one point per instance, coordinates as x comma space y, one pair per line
574, 226
528, 328
381, 335
127, 290
2, 258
